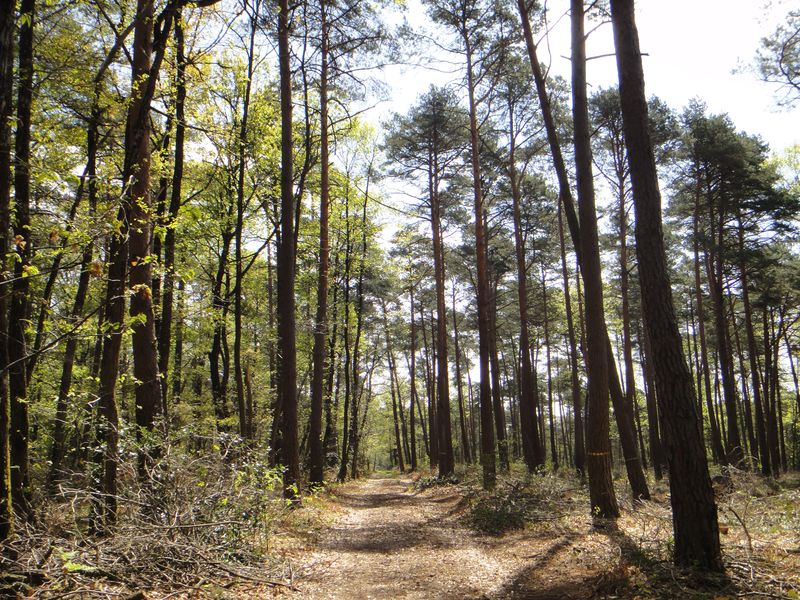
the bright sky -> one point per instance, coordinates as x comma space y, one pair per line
692, 47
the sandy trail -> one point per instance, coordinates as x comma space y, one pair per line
393, 542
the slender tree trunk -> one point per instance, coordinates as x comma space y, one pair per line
432, 444
692, 497
390, 360
497, 392
58, 449
577, 404
23, 251
445, 460
601, 489
7, 22
529, 387
656, 448
321, 325
551, 416
716, 439
413, 376
287, 350
139, 218
461, 416
170, 238
733, 446
482, 269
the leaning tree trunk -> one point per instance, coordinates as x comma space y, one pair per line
692, 497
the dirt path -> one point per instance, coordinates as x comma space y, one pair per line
393, 542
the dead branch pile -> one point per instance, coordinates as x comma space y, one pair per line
198, 523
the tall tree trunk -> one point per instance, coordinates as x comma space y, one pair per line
445, 460
432, 443
755, 370
551, 416
577, 403
692, 497
317, 459
413, 376
7, 22
529, 387
656, 447
139, 219
624, 416
733, 445
601, 489
482, 269
497, 392
716, 440
287, 350
390, 361
168, 297
241, 158
58, 449
461, 413
23, 251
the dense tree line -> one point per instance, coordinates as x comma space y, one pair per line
195, 257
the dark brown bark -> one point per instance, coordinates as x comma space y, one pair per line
601, 490
7, 21
482, 270
287, 349
692, 497
23, 251
444, 459
317, 457
139, 220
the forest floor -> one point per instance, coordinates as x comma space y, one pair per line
391, 536
391, 539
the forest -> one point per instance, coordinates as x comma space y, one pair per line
248, 328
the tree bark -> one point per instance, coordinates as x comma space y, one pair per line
482, 269
7, 22
23, 252
317, 458
287, 349
692, 497
601, 489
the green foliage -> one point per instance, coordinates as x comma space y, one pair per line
497, 513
